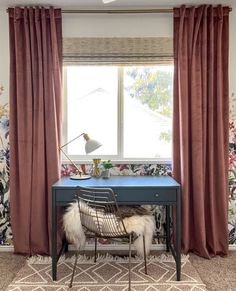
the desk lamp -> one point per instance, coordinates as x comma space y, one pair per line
90, 146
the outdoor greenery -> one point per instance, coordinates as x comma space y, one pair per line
152, 86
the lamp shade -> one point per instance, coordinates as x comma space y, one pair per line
91, 145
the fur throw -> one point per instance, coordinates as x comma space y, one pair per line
139, 224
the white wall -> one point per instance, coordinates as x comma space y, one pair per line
123, 25
4, 56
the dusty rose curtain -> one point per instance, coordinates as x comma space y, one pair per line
35, 122
200, 126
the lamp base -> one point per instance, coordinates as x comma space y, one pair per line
80, 177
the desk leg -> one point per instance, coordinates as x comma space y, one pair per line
167, 228
178, 236
54, 237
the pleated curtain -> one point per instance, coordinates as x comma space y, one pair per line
200, 126
35, 123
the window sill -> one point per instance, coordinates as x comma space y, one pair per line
154, 161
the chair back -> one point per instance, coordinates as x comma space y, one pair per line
99, 212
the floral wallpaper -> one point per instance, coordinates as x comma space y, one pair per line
120, 169
124, 169
232, 171
5, 229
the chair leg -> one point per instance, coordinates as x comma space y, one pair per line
130, 242
144, 253
73, 273
95, 250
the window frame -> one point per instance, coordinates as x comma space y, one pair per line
116, 159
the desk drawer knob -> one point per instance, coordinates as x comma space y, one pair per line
156, 195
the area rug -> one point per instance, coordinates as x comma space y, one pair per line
108, 274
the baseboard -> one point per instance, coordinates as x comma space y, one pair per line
90, 247
114, 247
7, 248
232, 247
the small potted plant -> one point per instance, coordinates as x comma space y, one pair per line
106, 165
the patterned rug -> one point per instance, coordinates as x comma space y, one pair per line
108, 274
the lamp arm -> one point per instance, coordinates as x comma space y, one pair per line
64, 145
79, 171
61, 148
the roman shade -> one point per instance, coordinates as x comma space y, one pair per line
117, 51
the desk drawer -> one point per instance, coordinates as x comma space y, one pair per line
145, 195
65, 195
134, 195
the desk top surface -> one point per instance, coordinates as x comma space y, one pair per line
119, 181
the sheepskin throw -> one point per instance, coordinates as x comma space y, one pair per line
141, 223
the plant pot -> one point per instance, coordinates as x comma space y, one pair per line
106, 174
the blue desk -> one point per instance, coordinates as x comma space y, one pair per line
129, 190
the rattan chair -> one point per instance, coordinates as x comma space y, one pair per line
101, 218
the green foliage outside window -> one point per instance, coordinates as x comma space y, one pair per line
152, 87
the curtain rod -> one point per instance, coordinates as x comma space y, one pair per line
119, 11
123, 11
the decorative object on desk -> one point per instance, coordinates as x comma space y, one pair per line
106, 165
96, 168
90, 146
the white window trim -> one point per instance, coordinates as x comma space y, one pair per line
123, 161
116, 159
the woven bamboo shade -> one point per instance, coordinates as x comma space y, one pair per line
117, 51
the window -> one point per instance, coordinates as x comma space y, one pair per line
127, 108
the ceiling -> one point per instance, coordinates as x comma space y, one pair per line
98, 4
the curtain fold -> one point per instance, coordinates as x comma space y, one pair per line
35, 123
200, 126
